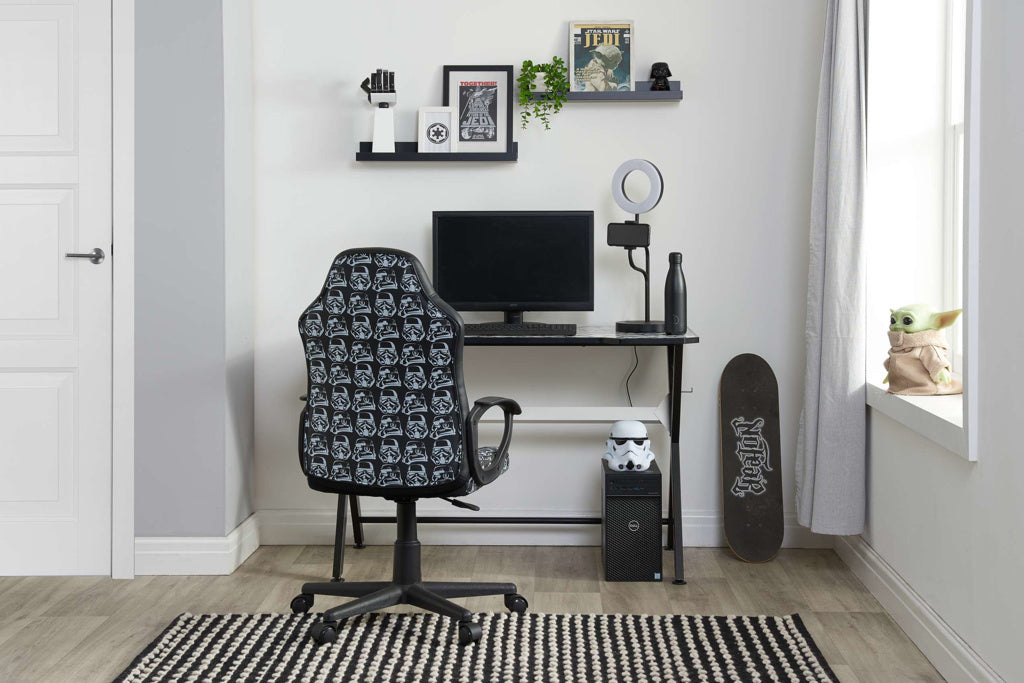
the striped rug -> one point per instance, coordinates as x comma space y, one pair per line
583, 648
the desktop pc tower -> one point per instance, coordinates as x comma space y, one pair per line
631, 524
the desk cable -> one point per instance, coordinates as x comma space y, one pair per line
636, 362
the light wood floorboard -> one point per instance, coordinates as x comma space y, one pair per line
89, 629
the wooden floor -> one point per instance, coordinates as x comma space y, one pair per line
89, 629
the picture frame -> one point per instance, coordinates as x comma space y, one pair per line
481, 97
435, 131
601, 55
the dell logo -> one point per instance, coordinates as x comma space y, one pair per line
633, 525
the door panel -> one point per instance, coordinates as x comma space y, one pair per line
38, 418
37, 54
55, 312
36, 280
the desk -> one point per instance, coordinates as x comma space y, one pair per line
586, 335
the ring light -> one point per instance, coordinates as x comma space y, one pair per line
619, 186
634, 234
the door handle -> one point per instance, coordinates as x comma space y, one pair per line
96, 255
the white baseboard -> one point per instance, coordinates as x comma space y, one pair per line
316, 527
944, 648
197, 554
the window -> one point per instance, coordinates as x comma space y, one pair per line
953, 248
916, 142
921, 202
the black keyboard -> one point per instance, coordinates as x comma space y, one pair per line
513, 329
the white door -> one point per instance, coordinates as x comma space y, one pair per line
55, 311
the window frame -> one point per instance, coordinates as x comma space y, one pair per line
952, 421
954, 162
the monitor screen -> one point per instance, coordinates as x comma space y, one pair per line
515, 260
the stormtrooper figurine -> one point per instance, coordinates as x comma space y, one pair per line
628, 447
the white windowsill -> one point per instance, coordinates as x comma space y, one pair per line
937, 418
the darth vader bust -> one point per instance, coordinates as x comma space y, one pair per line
660, 74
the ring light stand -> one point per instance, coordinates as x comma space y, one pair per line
633, 234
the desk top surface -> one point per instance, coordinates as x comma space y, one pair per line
586, 335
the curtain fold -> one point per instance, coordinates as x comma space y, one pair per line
832, 440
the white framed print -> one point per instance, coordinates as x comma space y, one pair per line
436, 130
601, 55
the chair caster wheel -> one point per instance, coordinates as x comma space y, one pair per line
323, 632
302, 603
469, 632
516, 603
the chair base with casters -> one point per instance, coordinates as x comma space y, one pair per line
405, 588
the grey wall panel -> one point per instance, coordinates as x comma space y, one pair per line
180, 270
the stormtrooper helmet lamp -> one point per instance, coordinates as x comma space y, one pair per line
628, 447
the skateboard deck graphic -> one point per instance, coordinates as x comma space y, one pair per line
748, 398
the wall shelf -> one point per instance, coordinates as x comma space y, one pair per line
407, 151
643, 93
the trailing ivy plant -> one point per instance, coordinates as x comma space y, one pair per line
556, 83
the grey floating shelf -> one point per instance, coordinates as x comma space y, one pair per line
643, 93
407, 151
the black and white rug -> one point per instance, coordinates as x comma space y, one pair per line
584, 648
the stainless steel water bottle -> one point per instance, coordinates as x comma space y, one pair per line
675, 295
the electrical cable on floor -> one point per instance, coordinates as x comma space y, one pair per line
636, 362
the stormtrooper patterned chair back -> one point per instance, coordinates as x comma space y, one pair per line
387, 413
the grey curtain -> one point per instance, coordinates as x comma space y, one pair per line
830, 462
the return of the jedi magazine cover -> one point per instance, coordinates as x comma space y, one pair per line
600, 55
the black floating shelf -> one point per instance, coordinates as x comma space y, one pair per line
643, 93
406, 151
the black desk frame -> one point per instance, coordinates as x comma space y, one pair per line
598, 335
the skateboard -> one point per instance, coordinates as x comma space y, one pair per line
748, 397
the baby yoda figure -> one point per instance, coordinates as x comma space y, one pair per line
917, 362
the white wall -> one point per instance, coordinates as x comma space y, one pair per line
736, 156
950, 528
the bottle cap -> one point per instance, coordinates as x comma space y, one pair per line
675, 257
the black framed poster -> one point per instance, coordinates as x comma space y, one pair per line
482, 99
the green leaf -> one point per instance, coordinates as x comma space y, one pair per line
556, 82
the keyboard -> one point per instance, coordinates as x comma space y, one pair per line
516, 329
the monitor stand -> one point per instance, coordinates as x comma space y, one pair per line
513, 324
516, 318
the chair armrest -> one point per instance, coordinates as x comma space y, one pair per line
482, 474
506, 404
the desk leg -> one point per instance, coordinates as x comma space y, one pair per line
357, 524
675, 482
339, 539
671, 507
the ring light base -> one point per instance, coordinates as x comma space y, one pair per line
640, 326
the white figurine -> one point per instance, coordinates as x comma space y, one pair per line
628, 447
380, 91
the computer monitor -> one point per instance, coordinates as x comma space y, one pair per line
515, 261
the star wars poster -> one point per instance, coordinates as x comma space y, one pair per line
600, 56
478, 110
481, 97
435, 130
